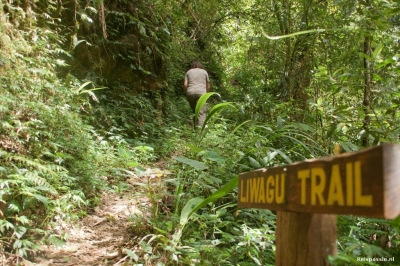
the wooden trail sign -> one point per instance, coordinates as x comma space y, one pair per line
365, 183
307, 194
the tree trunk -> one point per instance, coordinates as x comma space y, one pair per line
367, 82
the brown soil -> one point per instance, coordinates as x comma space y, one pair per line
101, 237
118, 223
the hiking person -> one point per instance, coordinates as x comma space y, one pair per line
196, 84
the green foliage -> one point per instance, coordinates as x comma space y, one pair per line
204, 224
196, 164
366, 238
91, 90
48, 153
295, 97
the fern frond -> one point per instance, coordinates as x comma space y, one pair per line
7, 183
40, 182
56, 168
45, 168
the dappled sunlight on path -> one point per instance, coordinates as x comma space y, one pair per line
101, 237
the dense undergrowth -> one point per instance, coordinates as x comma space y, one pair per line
51, 158
83, 105
199, 222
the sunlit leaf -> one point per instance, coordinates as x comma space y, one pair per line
132, 254
202, 101
20, 231
214, 111
188, 208
284, 156
239, 126
228, 187
269, 157
377, 51
369, 58
213, 156
193, 148
196, 164
254, 163
292, 34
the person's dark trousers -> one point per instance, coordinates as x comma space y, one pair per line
192, 99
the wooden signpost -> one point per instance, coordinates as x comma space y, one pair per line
309, 194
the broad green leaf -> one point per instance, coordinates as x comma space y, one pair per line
376, 220
369, 58
94, 89
228, 187
193, 163
132, 164
292, 34
202, 101
257, 261
75, 41
279, 123
82, 86
377, 51
264, 128
254, 163
306, 127
239, 126
194, 148
188, 209
166, 30
216, 180
215, 110
348, 146
269, 157
336, 72
161, 230
213, 156
287, 159
144, 148
132, 254
385, 63
124, 153
44, 200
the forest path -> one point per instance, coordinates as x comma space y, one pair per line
101, 237
118, 223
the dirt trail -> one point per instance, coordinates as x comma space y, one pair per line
101, 237
118, 223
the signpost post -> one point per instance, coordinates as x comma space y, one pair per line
307, 196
